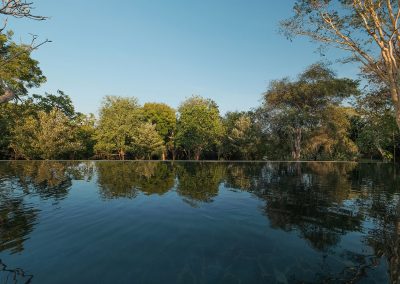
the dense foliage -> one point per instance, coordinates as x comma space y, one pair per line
18, 71
317, 116
307, 115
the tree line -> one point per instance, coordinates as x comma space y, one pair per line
317, 116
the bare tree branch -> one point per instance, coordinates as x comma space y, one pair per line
368, 29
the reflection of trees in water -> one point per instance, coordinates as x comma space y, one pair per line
303, 197
17, 180
199, 182
323, 201
380, 187
245, 176
161, 180
48, 179
126, 179
319, 201
385, 235
16, 223
16, 275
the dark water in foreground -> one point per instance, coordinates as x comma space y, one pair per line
154, 222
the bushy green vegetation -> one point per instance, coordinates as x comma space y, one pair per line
318, 116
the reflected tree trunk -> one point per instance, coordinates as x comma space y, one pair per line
394, 260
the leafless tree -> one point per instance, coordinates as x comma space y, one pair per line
18, 9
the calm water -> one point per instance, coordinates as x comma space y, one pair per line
154, 222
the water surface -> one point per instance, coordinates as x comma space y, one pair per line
161, 222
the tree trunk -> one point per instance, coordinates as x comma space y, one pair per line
395, 94
121, 155
296, 153
197, 154
8, 96
381, 152
163, 155
398, 116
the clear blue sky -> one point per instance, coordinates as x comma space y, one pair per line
165, 51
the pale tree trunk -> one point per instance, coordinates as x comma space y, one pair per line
395, 93
381, 151
121, 155
296, 153
397, 110
163, 156
197, 154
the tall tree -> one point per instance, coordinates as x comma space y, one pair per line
118, 124
199, 126
296, 106
164, 119
368, 30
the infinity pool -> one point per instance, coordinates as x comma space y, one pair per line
186, 222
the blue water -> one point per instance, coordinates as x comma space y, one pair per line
161, 222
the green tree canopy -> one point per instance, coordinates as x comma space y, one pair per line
164, 119
162, 116
294, 108
117, 126
199, 126
147, 142
18, 71
376, 131
243, 137
48, 102
45, 136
